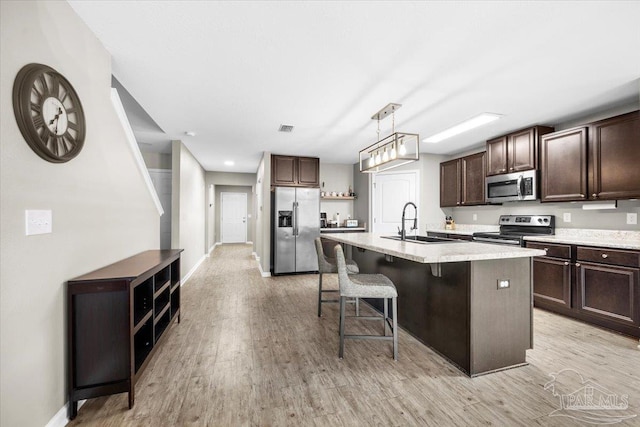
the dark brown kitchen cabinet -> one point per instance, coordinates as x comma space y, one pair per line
295, 171
450, 183
607, 284
462, 181
117, 316
594, 284
552, 275
614, 150
515, 152
563, 165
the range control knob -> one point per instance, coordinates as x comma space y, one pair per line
539, 219
546, 220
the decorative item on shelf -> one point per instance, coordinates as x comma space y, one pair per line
449, 223
397, 149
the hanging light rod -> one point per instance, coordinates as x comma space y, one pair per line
467, 125
389, 109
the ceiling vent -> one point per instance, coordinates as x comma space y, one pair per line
286, 128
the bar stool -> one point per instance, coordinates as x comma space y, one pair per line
327, 266
367, 286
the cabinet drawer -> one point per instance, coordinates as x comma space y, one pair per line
552, 249
609, 256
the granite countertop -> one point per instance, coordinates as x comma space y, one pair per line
601, 238
458, 251
463, 229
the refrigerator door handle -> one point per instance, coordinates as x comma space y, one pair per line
295, 218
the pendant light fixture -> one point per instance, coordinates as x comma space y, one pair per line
397, 149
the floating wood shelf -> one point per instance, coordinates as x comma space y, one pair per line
338, 198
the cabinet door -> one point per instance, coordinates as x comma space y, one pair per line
473, 174
284, 170
450, 183
552, 281
563, 164
309, 171
615, 155
497, 156
521, 151
608, 292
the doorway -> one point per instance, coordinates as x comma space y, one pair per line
233, 217
161, 179
391, 190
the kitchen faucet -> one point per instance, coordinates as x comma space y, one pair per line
403, 232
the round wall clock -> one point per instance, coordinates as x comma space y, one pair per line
49, 113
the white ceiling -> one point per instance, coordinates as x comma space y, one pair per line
234, 71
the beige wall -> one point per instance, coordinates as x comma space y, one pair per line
230, 179
262, 244
338, 178
102, 211
188, 207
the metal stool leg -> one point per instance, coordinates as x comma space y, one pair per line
342, 319
320, 295
357, 306
394, 307
385, 305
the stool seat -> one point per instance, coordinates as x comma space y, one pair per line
369, 286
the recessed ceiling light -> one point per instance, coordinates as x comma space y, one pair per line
190, 133
472, 123
229, 163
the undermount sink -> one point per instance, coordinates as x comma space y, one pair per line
424, 239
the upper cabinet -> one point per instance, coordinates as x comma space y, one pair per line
515, 152
563, 165
614, 150
295, 171
597, 161
462, 181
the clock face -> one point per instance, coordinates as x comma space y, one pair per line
49, 113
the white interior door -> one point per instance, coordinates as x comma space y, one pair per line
391, 191
161, 179
233, 217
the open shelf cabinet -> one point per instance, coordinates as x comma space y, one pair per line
117, 317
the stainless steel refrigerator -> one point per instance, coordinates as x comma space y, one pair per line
296, 223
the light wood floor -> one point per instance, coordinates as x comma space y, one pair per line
252, 351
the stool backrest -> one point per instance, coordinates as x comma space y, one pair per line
343, 276
324, 264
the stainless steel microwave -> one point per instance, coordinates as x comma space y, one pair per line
512, 187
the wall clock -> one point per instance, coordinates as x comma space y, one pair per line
49, 113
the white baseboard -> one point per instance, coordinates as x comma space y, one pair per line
60, 419
249, 242
212, 248
193, 270
262, 273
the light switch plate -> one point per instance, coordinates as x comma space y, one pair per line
632, 218
38, 222
566, 217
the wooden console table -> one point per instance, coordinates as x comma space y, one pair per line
116, 319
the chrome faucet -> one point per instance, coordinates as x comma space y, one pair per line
403, 232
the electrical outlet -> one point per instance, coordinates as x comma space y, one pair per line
566, 217
632, 218
503, 283
475, 217
38, 222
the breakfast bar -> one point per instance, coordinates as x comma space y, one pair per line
470, 302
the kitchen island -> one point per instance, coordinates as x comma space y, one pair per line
470, 302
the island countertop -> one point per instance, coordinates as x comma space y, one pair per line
458, 251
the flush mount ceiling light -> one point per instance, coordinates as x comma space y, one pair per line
190, 133
229, 163
472, 123
397, 149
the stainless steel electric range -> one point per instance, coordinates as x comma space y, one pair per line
513, 229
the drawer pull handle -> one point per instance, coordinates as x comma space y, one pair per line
594, 195
577, 264
605, 256
566, 263
546, 249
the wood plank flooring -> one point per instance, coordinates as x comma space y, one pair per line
252, 351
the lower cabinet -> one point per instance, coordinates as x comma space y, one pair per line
597, 285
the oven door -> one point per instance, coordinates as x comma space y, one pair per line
511, 187
512, 241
